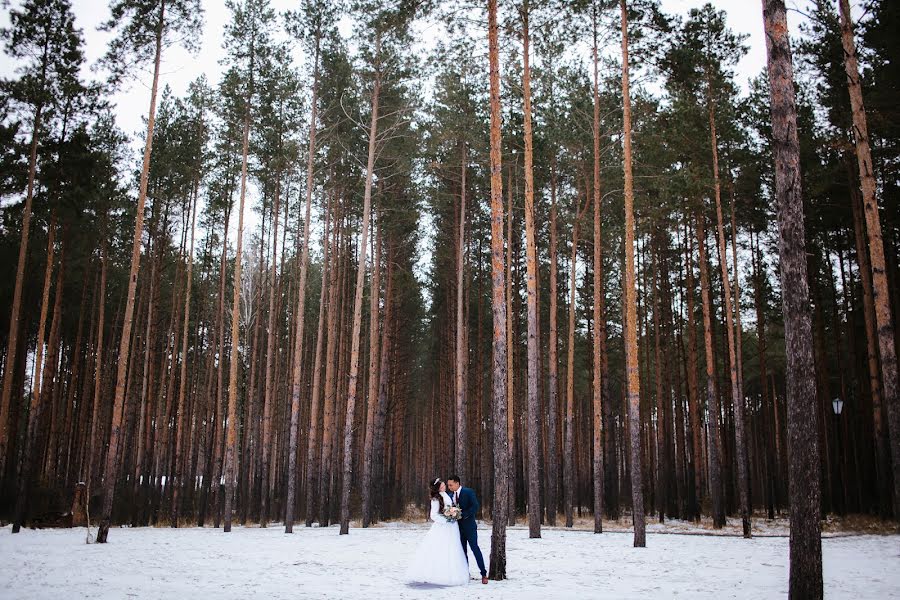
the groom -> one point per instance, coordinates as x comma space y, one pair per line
465, 499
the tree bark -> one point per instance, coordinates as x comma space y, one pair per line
599, 317
737, 401
631, 347
349, 422
231, 424
553, 376
510, 354
805, 544
177, 482
110, 474
35, 411
372, 395
569, 429
12, 342
462, 433
533, 481
883, 318
499, 511
714, 446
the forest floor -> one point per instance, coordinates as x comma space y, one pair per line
369, 564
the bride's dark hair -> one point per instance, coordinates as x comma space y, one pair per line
436, 493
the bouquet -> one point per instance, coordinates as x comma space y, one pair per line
452, 514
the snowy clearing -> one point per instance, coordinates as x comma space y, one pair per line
368, 564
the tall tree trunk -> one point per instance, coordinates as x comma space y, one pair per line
569, 429
883, 318
268, 386
882, 454
110, 474
662, 468
218, 438
93, 450
533, 476
510, 354
736, 398
372, 396
349, 421
462, 354
697, 458
296, 369
231, 426
805, 545
500, 508
328, 422
599, 317
631, 347
38, 386
533, 481
553, 377
714, 446
313, 435
12, 342
378, 478
177, 482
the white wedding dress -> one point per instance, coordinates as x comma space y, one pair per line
439, 559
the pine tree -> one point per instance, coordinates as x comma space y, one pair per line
138, 38
43, 36
883, 318
806, 545
631, 348
533, 481
500, 508
248, 40
312, 24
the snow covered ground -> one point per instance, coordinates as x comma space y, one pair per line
369, 564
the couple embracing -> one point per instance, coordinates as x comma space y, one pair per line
441, 557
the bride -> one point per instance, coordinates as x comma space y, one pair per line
439, 559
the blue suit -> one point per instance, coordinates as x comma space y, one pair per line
468, 530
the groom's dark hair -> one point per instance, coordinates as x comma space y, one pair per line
453, 478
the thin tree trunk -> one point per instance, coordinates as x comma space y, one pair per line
177, 483
712, 398
510, 356
372, 397
349, 422
12, 342
599, 317
697, 458
328, 423
231, 425
662, 470
25, 467
736, 398
270, 367
215, 481
383, 382
569, 437
462, 353
296, 371
531, 267
631, 347
313, 436
499, 512
110, 474
883, 318
553, 378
